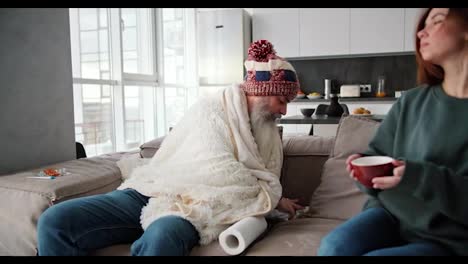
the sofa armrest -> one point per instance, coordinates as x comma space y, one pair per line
304, 157
148, 149
22, 200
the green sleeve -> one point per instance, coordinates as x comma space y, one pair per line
372, 200
369, 191
438, 186
382, 142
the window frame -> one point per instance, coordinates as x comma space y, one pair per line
118, 79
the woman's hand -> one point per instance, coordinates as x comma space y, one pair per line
348, 165
387, 182
289, 206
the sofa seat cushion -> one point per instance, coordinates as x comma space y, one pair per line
85, 175
213, 249
22, 200
298, 237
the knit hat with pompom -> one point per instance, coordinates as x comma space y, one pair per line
267, 73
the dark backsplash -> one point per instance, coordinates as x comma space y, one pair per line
399, 72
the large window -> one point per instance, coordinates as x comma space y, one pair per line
179, 78
114, 75
121, 100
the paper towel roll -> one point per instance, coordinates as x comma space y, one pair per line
235, 239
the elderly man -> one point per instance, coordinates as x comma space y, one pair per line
219, 164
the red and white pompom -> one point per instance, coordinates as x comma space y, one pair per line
261, 50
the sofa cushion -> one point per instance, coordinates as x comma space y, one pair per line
337, 196
22, 200
303, 161
148, 149
353, 135
212, 249
298, 237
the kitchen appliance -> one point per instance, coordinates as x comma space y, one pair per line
350, 90
223, 39
328, 88
334, 109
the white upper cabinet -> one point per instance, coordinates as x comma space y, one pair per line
323, 31
280, 26
411, 18
377, 30
310, 32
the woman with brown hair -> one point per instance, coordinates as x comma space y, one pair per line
422, 208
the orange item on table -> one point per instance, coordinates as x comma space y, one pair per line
51, 172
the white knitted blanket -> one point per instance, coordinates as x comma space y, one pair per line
209, 169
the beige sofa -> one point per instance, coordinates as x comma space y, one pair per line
313, 171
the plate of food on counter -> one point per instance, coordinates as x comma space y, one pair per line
361, 111
300, 95
314, 95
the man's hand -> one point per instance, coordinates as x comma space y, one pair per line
289, 206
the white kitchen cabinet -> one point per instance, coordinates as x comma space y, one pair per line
329, 130
324, 130
291, 109
376, 30
290, 129
411, 19
280, 26
323, 31
314, 32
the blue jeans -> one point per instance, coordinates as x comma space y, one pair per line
374, 232
78, 226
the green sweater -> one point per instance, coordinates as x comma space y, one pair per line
429, 130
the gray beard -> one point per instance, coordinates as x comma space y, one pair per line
263, 130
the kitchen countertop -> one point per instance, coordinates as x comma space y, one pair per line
348, 99
319, 119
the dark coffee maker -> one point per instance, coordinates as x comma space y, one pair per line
334, 109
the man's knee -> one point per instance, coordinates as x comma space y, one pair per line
56, 217
172, 228
169, 235
47, 219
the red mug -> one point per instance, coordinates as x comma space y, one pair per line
366, 168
